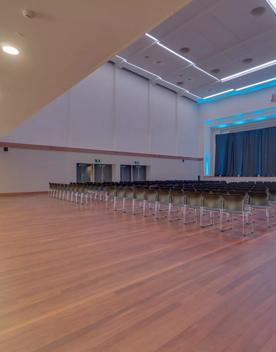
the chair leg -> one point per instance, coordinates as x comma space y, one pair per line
169, 211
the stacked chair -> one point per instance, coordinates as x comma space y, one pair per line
217, 204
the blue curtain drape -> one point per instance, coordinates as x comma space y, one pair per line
249, 153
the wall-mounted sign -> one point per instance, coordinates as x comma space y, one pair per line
97, 161
136, 162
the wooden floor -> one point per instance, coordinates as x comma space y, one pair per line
78, 279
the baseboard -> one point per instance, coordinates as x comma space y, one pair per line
14, 194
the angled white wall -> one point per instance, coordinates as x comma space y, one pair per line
113, 109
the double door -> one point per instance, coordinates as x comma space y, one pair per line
103, 173
129, 173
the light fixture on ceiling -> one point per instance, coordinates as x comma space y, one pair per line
199, 99
157, 42
9, 49
250, 70
247, 60
272, 3
258, 11
256, 84
185, 50
215, 70
225, 79
217, 94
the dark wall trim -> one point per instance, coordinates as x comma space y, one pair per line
94, 151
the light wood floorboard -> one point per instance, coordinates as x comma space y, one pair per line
76, 278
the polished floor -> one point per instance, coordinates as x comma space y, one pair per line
75, 279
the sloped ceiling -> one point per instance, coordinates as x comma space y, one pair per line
64, 42
222, 37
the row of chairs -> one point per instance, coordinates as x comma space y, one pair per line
208, 208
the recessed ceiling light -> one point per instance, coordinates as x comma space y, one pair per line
258, 11
247, 60
215, 70
185, 50
11, 50
272, 3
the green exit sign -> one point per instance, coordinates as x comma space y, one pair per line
97, 161
136, 162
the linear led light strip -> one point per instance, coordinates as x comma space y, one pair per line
240, 89
225, 79
156, 41
272, 3
157, 77
250, 70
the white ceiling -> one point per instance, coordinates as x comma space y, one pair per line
63, 43
220, 35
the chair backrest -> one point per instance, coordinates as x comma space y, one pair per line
177, 197
164, 196
121, 192
111, 191
140, 193
193, 199
233, 202
258, 199
152, 195
272, 195
211, 201
129, 193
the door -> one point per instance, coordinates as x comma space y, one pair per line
84, 173
103, 172
125, 173
139, 173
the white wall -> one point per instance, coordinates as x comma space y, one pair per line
112, 109
25, 170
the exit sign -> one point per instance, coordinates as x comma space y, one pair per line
97, 161
136, 162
